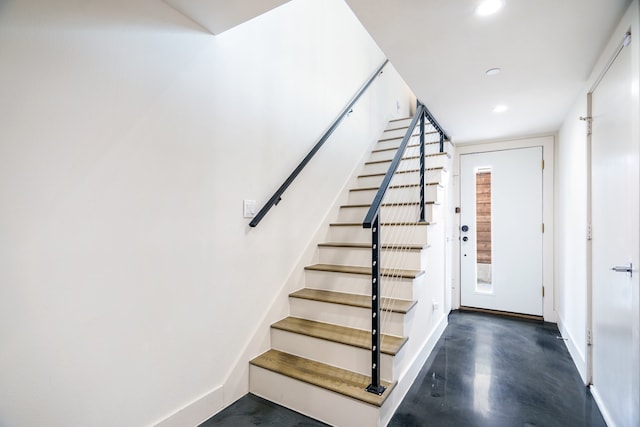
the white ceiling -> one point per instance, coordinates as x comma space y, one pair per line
217, 16
545, 48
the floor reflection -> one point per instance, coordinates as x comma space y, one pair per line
481, 386
485, 371
494, 371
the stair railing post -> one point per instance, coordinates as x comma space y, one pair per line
375, 386
422, 117
441, 141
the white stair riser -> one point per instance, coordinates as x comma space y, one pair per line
412, 150
406, 259
438, 161
344, 315
357, 214
392, 234
432, 144
360, 284
432, 193
399, 123
408, 178
316, 402
398, 133
348, 357
385, 143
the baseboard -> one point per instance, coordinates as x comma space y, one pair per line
502, 313
603, 410
197, 411
411, 373
576, 355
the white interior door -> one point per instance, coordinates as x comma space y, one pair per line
615, 243
501, 230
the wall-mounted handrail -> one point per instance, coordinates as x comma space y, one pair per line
275, 199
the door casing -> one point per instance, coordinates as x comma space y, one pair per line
516, 232
547, 142
635, 297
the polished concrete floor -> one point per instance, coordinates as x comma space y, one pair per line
484, 371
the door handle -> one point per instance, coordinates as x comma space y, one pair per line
624, 269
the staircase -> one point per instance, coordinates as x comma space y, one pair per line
320, 361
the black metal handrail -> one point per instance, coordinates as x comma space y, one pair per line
277, 196
436, 125
372, 221
377, 201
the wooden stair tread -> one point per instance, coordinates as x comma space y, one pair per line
385, 224
389, 344
367, 175
329, 377
409, 158
381, 150
398, 128
352, 269
417, 128
400, 137
364, 205
396, 186
353, 300
405, 247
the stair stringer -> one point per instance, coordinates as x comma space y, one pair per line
236, 384
340, 410
430, 316
425, 325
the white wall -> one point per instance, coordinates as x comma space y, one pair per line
572, 265
130, 284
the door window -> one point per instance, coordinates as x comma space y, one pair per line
483, 231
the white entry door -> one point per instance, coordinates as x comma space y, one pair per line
615, 245
501, 230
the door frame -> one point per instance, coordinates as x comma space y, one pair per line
547, 142
589, 318
629, 24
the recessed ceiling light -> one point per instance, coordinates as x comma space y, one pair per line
493, 71
489, 7
500, 108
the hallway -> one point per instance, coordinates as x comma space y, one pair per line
484, 371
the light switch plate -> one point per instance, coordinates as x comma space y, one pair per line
249, 208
